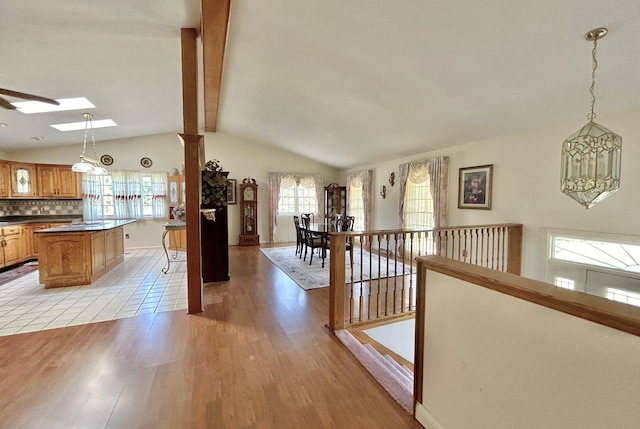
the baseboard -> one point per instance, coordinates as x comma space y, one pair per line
426, 418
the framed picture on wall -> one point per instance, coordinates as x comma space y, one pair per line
231, 191
474, 187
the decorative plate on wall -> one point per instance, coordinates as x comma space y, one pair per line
146, 162
106, 159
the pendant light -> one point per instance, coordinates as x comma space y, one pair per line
591, 156
86, 164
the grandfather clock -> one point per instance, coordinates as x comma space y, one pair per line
249, 212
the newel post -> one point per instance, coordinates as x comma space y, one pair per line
514, 261
337, 281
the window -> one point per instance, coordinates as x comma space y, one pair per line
418, 214
418, 207
565, 283
297, 199
604, 265
291, 194
621, 295
138, 195
107, 192
147, 196
608, 254
356, 205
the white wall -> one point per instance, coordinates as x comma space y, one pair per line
243, 158
492, 361
240, 157
526, 187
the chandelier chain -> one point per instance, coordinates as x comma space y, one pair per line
93, 141
591, 116
87, 122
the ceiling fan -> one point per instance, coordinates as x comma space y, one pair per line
4, 103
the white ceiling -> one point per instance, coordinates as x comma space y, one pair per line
344, 82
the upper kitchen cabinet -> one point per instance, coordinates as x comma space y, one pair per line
23, 180
57, 181
5, 180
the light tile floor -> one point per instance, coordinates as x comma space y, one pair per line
134, 287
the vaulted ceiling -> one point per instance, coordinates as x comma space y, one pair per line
343, 82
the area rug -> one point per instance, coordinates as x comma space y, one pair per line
19, 271
393, 381
314, 276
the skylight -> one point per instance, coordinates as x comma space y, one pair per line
29, 107
72, 126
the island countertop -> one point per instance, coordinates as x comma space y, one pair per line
79, 253
87, 226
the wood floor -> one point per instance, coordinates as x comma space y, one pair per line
258, 357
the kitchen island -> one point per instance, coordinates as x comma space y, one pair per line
79, 253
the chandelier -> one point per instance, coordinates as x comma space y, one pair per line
86, 164
591, 156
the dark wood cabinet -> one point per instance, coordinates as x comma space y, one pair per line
214, 238
335, 202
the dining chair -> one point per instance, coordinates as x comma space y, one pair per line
344, 224
299, 239
306, 219
310, 216
314, 240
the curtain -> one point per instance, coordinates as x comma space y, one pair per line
278, 181
437, 171
318, 182
92, 197
439, 186
364, 179
127, 195
159, 195
274, 197
403, 173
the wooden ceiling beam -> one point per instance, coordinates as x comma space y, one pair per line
215, 23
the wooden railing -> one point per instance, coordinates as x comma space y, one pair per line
521, 322
373, 274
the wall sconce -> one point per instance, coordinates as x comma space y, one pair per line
383, 192
392, 178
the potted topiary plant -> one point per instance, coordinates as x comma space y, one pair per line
214, 185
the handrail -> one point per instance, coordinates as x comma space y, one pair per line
387, 287
597, 309
612, 314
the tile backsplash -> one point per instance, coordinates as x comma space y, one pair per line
40, 207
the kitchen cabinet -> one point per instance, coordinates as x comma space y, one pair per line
23, 181
176, 196
5, 180
57, 181
32, 238
14, 245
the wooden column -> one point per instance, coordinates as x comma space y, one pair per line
337, 252
193, 154
514, 260
193, 162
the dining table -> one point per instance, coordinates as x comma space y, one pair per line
321, 230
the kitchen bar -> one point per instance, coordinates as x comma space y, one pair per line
79, 253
